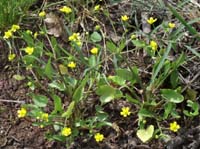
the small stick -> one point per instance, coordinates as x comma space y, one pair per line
14, 101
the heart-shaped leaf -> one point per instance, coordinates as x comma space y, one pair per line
96, 37
145, 134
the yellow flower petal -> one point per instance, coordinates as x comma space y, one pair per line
66, 131
7, 34
151, 20
22, 112
71, 65
99, 137
42, 14
124, 18
94, 50
125, 111
29, 50
66, 9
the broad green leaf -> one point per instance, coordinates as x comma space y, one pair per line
57, 103
124, 74
57, 85
145, 134
69, 111
95, 37
171, 95
106, 93
39, 100
195, 109
18, 77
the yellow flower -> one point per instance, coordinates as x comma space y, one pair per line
15, 28
45, 117
153, 45
42, 14
35, 35
29, 32
74, 37
124, 18
97, 27
171, 25
174, 126
99, 137
71, 65
11, 57
66, 131
29, 50
97, 7
125, 111
66, 9
151, 20
94, 50
7, 34
133, 36
22, 112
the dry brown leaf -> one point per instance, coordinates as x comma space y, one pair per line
54, 25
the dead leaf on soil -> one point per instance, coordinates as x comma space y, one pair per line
54, 25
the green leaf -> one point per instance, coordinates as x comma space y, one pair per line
192, 30
194, 51
111, 46
174, 79
139, 43
134, 101
57, 85
18, 77
118, 80
92, 61
168, 109
160, 65
69, 111
195, 109
107, 93
39, 100
180, 60
172, 95
145, 113
145, 134
57, 103
78, 94
95, 37
124, 74
48, 70
121, 46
